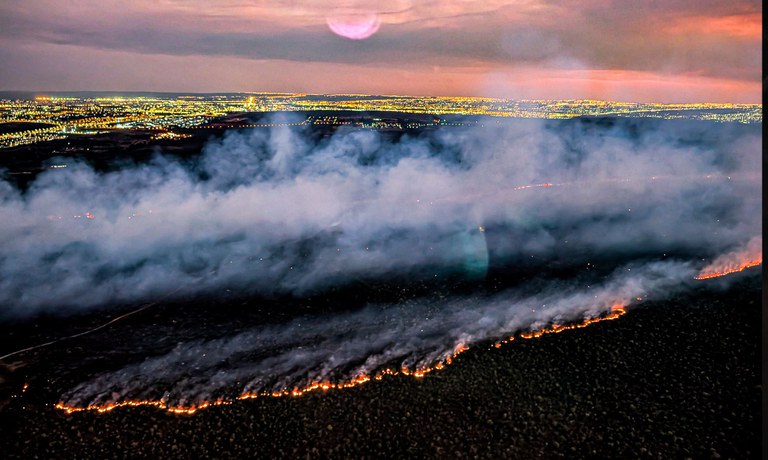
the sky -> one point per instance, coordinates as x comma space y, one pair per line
648, 51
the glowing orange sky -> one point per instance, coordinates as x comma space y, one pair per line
665, 51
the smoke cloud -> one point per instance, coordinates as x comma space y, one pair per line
274, 212
280, 212
415, 334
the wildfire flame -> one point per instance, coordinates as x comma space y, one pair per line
724, 265
734, 262
616, 312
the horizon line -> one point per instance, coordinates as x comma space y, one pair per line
38, 93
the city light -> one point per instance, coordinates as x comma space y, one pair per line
47, 118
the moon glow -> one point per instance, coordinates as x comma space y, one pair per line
354, 27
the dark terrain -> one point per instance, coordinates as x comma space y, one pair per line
14, 127
672, 379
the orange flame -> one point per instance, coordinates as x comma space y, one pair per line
727, 271
188, 410
616, 311
725, 263
734, 262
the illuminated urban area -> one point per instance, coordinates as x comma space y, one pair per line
44, 117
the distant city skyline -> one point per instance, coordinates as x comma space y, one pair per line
673, 51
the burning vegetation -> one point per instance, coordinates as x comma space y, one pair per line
749, 256
727, 264
616, 311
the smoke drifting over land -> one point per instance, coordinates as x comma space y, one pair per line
415, 335
277, 212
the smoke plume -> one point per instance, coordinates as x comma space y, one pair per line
280, 212
275, 212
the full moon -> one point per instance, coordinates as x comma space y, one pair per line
354, 27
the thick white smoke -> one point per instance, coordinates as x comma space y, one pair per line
415, 334
279, 212
275, 212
